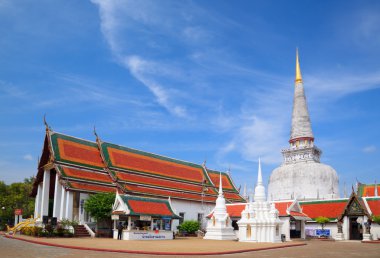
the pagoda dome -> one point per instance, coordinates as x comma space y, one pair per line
291, 181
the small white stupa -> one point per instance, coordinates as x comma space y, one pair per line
259, 220
219, 226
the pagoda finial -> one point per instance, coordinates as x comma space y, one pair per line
259, 189
298, 69
259, 175
220, 185
96, 135
46, 124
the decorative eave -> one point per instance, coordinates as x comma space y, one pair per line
354, 198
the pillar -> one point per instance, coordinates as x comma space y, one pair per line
62, 213
69, 205
57, 197
303, 236
129, 223
82, 199
45, 194
37, 202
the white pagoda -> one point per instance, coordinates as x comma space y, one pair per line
219, 227
259, 220
301, 174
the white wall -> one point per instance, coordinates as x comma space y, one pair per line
375, 231
191, 210
332, 226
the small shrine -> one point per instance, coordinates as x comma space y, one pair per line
143, 218
260, 219
219, 227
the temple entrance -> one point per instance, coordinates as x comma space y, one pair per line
355, 229
295, 229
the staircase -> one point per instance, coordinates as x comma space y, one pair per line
81, 231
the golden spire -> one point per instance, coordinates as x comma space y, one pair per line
298, 69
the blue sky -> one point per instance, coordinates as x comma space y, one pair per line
193, 80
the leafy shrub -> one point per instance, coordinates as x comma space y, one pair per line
376, 219
190, 226
322, 220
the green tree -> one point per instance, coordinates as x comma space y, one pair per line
376, 219
15, 196
100, 205
322, 220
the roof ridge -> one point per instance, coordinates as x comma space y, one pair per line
53, 132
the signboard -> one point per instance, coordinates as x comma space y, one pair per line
18, 212
322, 232
115, 217
163, 235
145, 218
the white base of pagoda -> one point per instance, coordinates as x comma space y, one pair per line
367, 237
220, 234
339, 236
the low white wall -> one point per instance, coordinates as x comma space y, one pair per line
331, 226
375, 231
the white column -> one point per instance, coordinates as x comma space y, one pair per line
62, 213
57, 197
45, 194
129, 223
303, 236
82, 199
37, 203
69, 205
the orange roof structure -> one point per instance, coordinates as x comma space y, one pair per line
331, 209
134, 205
368, 190
98, 166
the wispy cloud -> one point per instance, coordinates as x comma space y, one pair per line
369, 149
28, 157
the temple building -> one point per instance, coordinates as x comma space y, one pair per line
301, 174
71, 169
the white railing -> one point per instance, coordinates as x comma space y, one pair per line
89, 230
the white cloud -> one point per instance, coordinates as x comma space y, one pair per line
369, 149
28, 157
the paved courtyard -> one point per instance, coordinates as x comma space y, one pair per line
16, 248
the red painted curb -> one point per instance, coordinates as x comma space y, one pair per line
371, 242
154, 253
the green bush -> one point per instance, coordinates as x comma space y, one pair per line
190, 226
376, 219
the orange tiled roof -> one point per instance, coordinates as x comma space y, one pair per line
282, 207
226, 182
148, 206
85, 174
367, 190
72, 150
331, 209
161, 192
374, 205
91, 187
124, 158
149, 180
234, 210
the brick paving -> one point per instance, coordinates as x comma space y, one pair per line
313, 249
